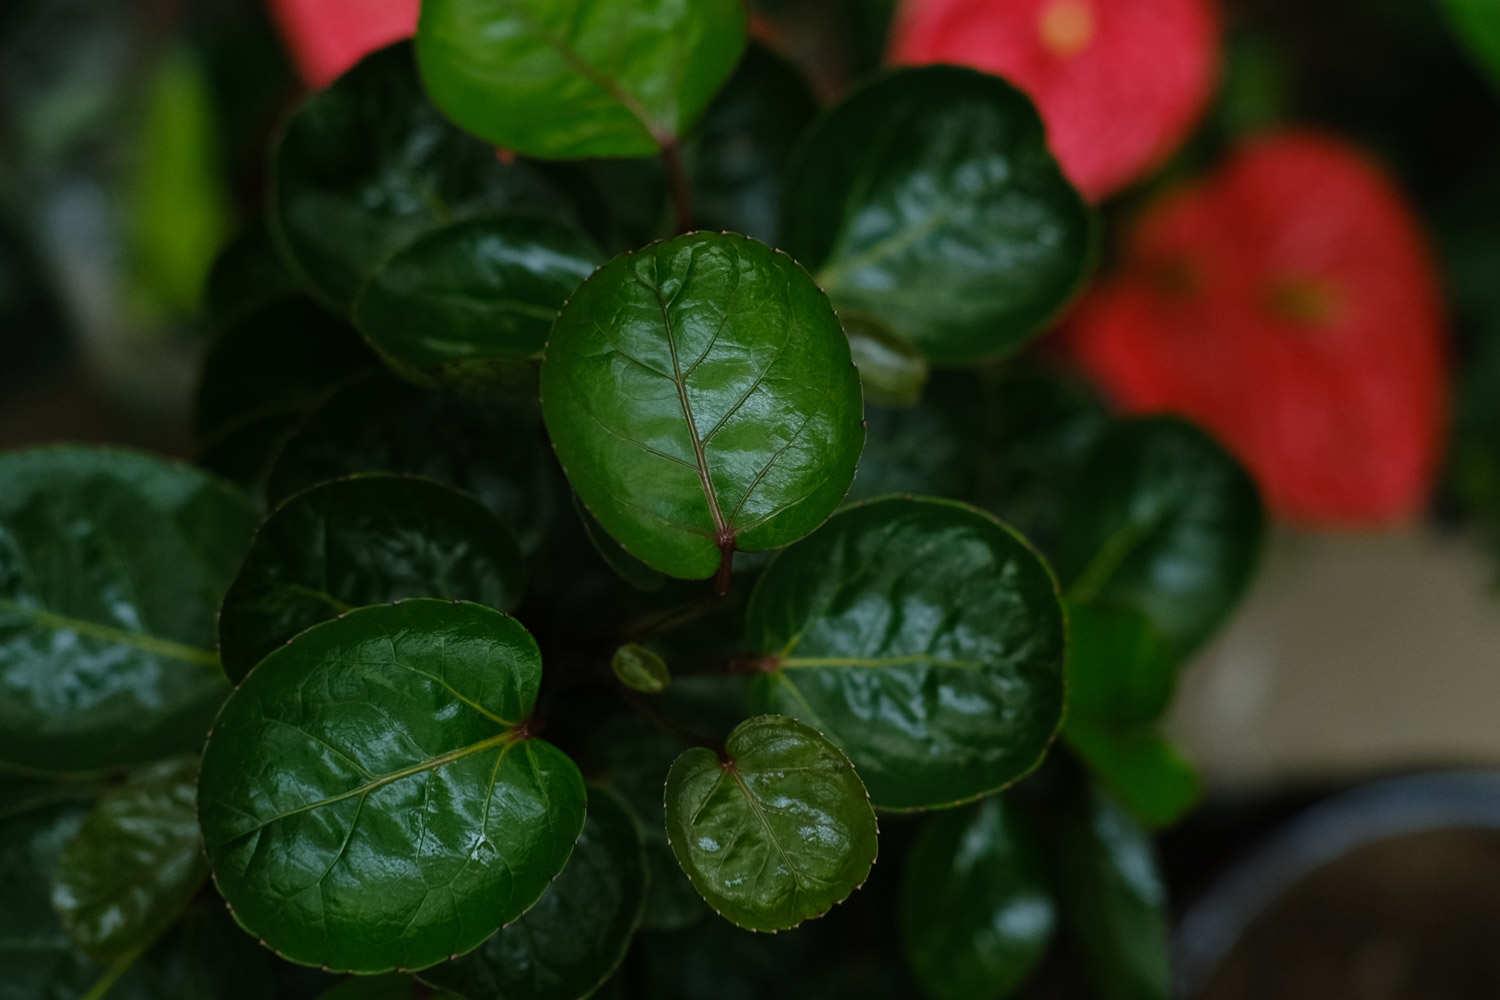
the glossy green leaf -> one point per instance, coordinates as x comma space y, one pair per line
892, 372
353, 542
1119, 670
368, 165
737, 157
491, 448
1163, 521
1478, 24
929, 200
409, 813
776, 831
701, 397
570, 79
472, 293
134, 864
976, 911
925, 638
640, 669
111, 566
575, 937
1139, 767
1114, 902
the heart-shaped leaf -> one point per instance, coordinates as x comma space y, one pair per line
1139, 767
929, 202
366, 166
1163, 521
473, 293
775, 831
701, 397
976, 912
925, 638
134, 864
1114, 901
489, 447
353, 542
111, 565
371, 798
578, 78
576, 935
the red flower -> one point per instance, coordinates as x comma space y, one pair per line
1120, 83
328, 37
1290, 305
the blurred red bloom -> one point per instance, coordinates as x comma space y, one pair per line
1120, 83
1290, 304
328, 37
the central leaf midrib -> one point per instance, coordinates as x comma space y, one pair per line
97, 630
802, 878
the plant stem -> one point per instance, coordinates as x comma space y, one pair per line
677, 181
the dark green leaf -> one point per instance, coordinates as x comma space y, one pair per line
640, 669
134, 864
353, 542
976, 913
111, 566
1165, 522
928, 199
1119, 670
409, 813
777, 831
701, 397
570, 79
892, 372
473, 293
929, 448
1478, 24
368, 165
39, 958
737, 157
1114, 901
626, 566
575, 937
925, 638
491, 449
1139, 767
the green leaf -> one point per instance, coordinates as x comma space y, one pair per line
928, 199
353, 542
39, 958
925, 638
928, 448
1165, 522
737, 157
701, 397
490, 448
775, 831
368, 165
1139, 767
571, 79
640, 669
624, 565
1119, 670
577, 934
892, 372
111, 566
1114, 901
409, 813
473, 293
1478, 24
976, 912
135, 863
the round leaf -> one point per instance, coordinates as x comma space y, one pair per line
640, 669
928, 200
367, 165
925, 638
976, 913
701, 397
579, 78
488, 448
370, 796
473, 292
111, 565
134, 864
1164, 521
775, 832
576, 935
353, 542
